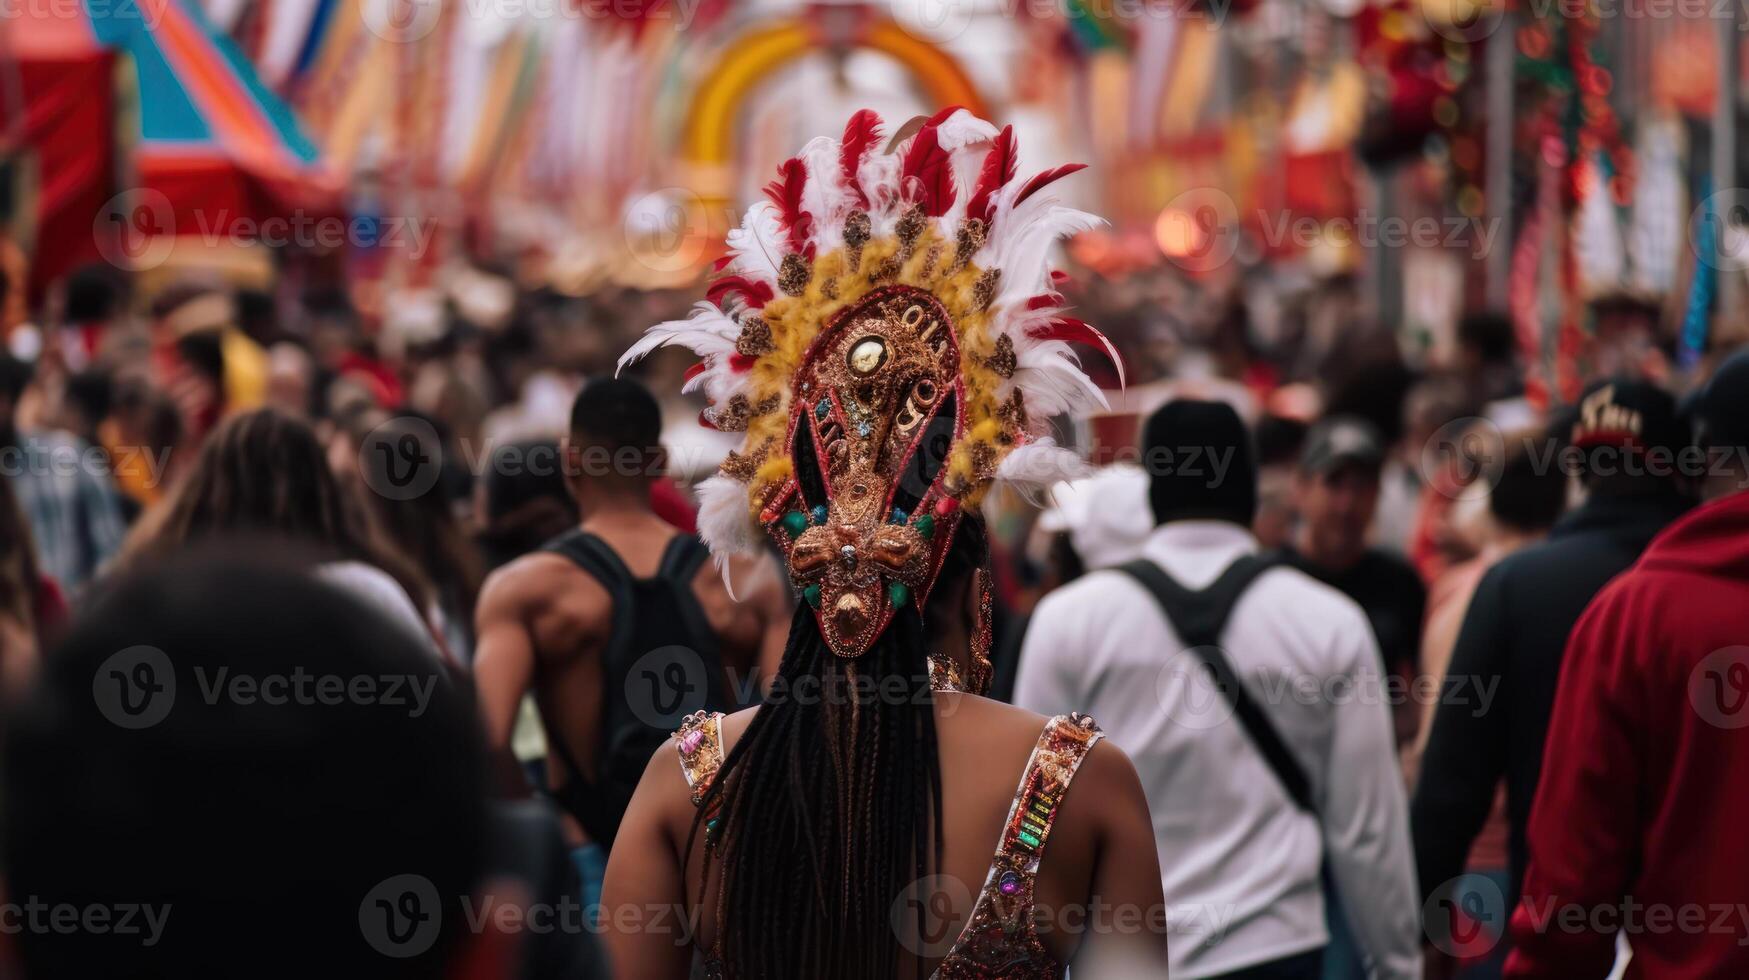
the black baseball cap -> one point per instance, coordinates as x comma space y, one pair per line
1339, 441
1629, 414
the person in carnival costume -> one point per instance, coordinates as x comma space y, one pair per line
886, 333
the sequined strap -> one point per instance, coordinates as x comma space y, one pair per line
1000, 938
700, 741
1061, 747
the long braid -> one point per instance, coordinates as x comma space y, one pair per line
829, 811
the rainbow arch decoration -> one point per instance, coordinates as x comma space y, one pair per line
708, 140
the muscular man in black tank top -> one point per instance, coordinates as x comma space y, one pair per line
619, 626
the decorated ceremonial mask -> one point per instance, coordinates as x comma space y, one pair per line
886, 332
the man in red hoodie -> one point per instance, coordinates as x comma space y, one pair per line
1638, 825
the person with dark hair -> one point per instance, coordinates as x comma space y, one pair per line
1646, 808
1624, 439
1245, 814
1487, 348
94, 297
265, 473
1525, 501
32, 607
1337, 493
275, 829
617, 623
843, 828
382, 459
71, 504
522, 500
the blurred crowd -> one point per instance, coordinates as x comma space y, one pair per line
1441, 532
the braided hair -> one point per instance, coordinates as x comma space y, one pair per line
828, 809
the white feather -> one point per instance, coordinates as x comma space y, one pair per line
824, 195
963, 129
1050, 379
1022, 245
758, 245
1040, 465
725, 522
708, 332
879, 177
967, 140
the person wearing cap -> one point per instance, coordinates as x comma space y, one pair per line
1625, 436
1237, 843
1639, 830
1337, 494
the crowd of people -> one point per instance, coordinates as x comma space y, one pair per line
324, 646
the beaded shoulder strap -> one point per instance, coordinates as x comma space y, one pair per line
1000, 928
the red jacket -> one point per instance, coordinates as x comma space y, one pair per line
1641, 821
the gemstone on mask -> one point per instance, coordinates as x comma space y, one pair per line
819, 513
795, 522
812, 595
925, 526
867, 356
899, 515
899, 592
823, 409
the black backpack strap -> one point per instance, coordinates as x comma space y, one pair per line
1200, 618
578, 795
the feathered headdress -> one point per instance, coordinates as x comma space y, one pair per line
886, 331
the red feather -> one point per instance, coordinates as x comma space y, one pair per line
756, 293
741, 363
1067, 328
722, 263
998, 171
860, 135
1039, 182
695, 371
1043, 300
929, 165
786, 193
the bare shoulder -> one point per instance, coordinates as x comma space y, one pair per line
532, 581
969, 712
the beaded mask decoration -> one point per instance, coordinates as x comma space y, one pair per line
886, 332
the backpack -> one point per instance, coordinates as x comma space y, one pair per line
661, 663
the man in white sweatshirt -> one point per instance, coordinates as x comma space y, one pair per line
1241, 858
